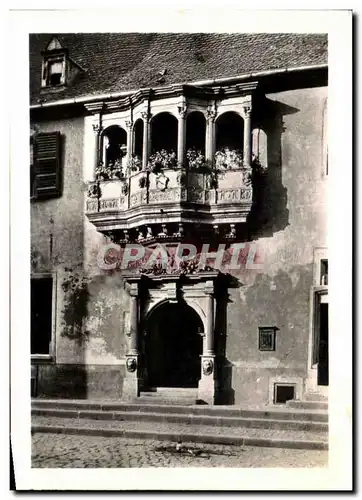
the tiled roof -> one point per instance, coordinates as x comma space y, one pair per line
128, 61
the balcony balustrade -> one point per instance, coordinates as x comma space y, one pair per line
203, 185
170, 196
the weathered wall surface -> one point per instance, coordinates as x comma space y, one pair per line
89, 327
287, 224
62, 217
290, 223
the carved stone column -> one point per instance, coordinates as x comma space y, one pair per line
131, 383
210, 136
247, 135
181, 136
208, 384
146, 116
134, 322
97, 144
209, 333
129, 125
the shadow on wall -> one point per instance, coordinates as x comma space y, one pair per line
269, 213
281, 301
225, 393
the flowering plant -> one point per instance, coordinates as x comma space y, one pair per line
134, 163
228, 159
109, 171
195, 159
162, 159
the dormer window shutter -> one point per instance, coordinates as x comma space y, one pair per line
47, 165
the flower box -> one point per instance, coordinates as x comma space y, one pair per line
161, 160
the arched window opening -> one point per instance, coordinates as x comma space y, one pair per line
196, 131
230, 132
138, 138
229, 141
114, 145
164, 133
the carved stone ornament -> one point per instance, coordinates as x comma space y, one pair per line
97, 129
124, 188
94, 191
131, 364
247, 109
162, 182
182, 110
207, 366
211, 114
146, 116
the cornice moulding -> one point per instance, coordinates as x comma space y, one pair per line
200, 83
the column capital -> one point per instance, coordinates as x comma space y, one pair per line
129, 124
182, 110
97, 129
132, 289
247, 109
211, 114
209, 288
146, 116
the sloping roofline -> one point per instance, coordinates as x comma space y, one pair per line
233, 79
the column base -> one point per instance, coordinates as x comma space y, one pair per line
131, 383
208, 384
130, 389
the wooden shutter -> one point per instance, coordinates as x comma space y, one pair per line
47, 166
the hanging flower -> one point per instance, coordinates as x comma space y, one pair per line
134, 164
113, 170
195, 159
161, 160
228, 159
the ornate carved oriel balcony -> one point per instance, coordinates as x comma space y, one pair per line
165, 166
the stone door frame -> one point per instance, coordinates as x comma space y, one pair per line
147, 292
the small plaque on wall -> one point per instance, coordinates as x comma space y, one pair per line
267, 338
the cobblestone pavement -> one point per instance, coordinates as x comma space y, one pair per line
62, 451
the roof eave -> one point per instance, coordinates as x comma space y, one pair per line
217, 81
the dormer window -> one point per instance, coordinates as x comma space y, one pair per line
54, 64
54, 72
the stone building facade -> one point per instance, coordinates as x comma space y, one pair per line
145, 142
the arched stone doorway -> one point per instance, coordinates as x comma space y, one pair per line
173, 346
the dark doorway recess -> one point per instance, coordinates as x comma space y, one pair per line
41, 315
230, 131
323, 375
117, 139
164, 128
173, 346
196, 131
138, 137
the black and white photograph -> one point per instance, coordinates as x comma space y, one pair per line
178, 289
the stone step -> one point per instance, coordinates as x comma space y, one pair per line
308, 405
182, 432
171, 391
278, 413
168, 395
182, 418
164, 400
